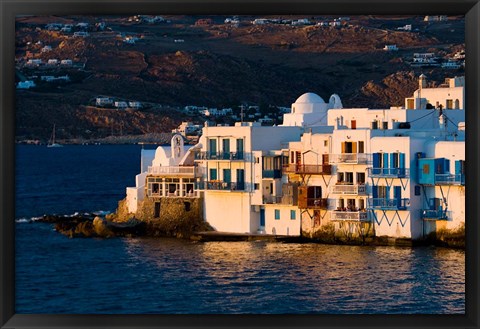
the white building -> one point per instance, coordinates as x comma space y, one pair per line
390, 48
395, 172
103, 101
26, 84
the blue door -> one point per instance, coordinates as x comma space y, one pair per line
240, 148
262, 217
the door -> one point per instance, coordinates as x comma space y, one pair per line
240, 179
397, 195
227, 175
240, 148
262, 217
226, 148
213, 148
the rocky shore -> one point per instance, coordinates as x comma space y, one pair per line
91, 226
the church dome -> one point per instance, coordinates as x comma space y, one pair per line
309, 98
308, 103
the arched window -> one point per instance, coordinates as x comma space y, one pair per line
457, 104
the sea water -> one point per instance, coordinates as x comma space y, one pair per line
56, 274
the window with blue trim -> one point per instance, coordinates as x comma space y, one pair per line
277, 214
293, 214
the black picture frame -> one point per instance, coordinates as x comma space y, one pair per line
10, 8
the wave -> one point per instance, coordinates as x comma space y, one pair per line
94, 213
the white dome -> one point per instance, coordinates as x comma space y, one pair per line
309, 98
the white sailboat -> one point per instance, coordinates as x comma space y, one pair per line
51, 142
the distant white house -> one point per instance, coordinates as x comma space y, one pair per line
46, 49
82, 25
80, 34
451, 64
390, 48
52, 62
134, 105
407, 27
34, 62
25, 84
102, 101
436, 18
121, 105
260, 21
66, 62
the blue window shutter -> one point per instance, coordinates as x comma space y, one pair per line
385, 163
447, 166
392, 160
458, 167
401, 160
374, 192
376, 160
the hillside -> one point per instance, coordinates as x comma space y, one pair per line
176, 63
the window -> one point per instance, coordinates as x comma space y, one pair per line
426, 168
325, 143
277, 214
417, 190
382, 192
410, 104
213, 174
293, 214
449, 103
360, 178
349, 177
256, 186
361, 147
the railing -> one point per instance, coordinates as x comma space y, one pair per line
171, 170
348, 189
360, 158
325, 169
388, 172
176, 194
449, 179
221, 156
220, 186
388, 204
350, 215
272, 173
272, 199
438, 214
317, 203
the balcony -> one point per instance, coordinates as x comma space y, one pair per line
176, 194
439, 214
325, 169
449, 179
388, 204
275, 173
349, 189
272, 199
389, 172
239, 156
360, 216
173, 171
317, 203
217, 185
350, 158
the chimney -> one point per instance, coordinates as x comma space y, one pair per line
422, 81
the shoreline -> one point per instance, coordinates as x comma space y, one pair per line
91, 226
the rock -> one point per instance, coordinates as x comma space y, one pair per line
100, 228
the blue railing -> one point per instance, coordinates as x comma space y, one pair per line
449, 179
388, 204
221, 156
438, 214
276, 173
388, 172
